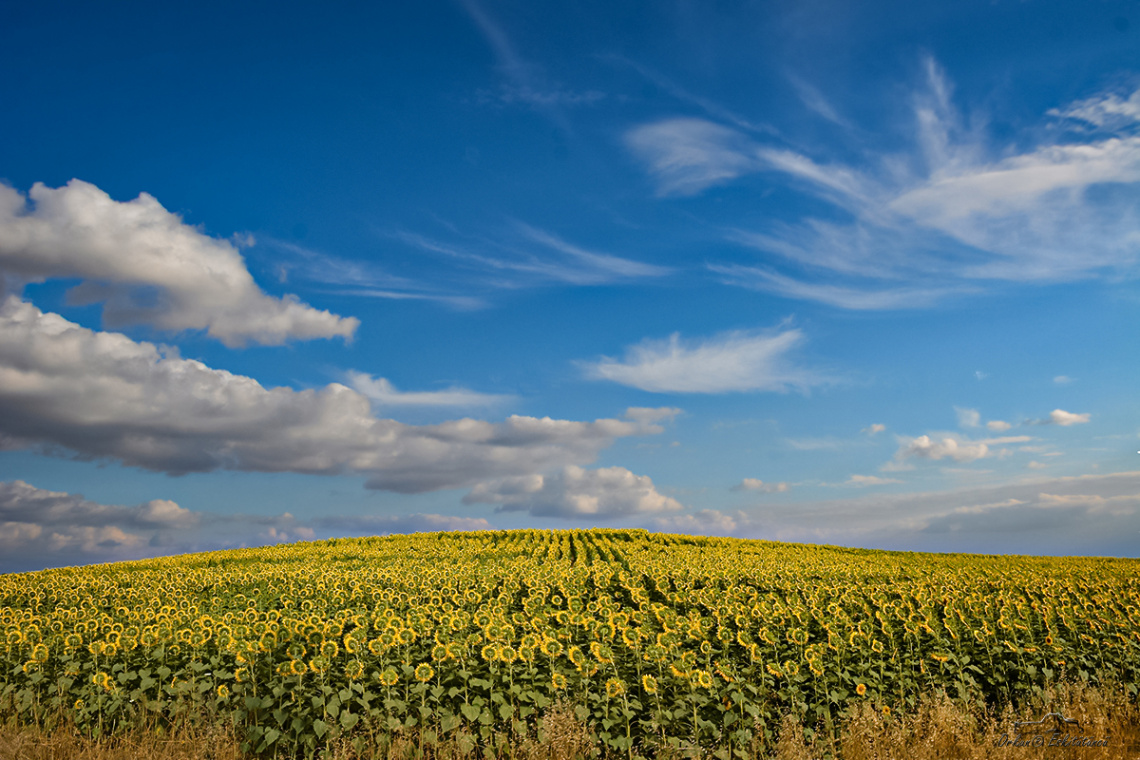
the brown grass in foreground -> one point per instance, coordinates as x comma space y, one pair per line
938, 728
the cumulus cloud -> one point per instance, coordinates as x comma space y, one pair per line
41, 528
874, 428
1064, 419
998, 426
754, 484
576, 492
146, 266
38, 526
104, 395
925, 447
730, 362
384, 394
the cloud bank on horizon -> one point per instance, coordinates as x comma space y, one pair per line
741, 290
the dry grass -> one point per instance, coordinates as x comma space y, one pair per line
938, 728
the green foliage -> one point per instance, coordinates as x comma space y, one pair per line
656, 640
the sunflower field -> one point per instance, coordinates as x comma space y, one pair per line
656, 640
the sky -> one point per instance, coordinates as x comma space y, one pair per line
861, 274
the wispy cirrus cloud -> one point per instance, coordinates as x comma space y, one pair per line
384, 394
869, 480
731, 362
528, 256
687, 156
524, 81
953, 216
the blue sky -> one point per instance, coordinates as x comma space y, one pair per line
859, 274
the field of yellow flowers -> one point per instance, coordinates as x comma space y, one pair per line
656, 640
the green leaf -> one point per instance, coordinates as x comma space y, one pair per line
320, 728
348, 720
471, 712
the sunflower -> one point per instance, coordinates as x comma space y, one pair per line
615, 687
354, 670
649, 683
551, 647
558, 681
424, 672
388, 676
861, 689
223, 691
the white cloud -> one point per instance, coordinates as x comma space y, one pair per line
842, 296
998, 426
384, 394
513, 263
576, 492
1064, 419
754, 484
731, 362
869, 480
40, 528
1062, 379
1106, 111
811, 97
968, 418
706, 522
950, 216
872, 429
102, 394
1035, 465
687, 156
52, 527
1090, 514
925, 447
591, 267
1005, 439
363, 525
145, 265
